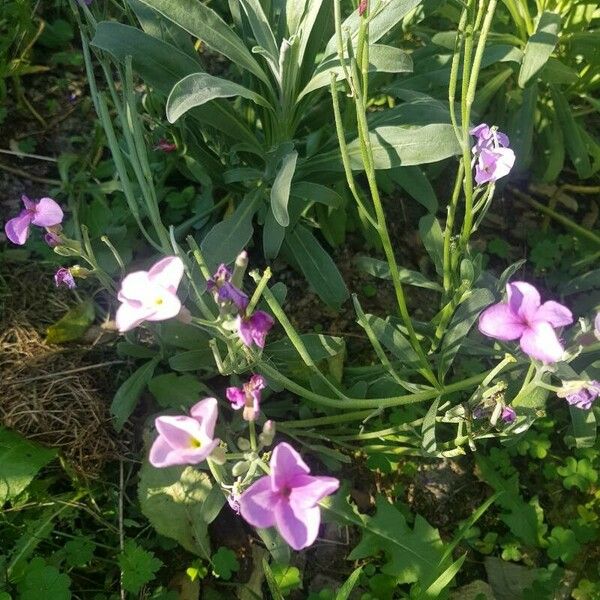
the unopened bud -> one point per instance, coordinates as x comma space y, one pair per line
239, 269
240, 468
243, 444
80, 272
268, 433
218, 455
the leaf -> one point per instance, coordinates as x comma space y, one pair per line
315, 192
206, 25
42, 582
287, 578
130, 391
79, 551
584, 427
273, 235
316, 265
389, 334
229, 237
460, 325
175, 391
562, 544
381, 270
271, 582
539, 46
173, 499
522, 128
225, 563
138, 566
260, 27
347, 587
444, 579
193, 360
433, 240
20, 462
280, 192
428, 442
576, 148
275, 544
412, 555
414, 181
199, 88
72, 325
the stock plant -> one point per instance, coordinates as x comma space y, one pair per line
201, 314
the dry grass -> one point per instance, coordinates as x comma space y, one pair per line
55, 395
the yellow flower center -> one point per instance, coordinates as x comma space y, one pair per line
195, 443
158, 301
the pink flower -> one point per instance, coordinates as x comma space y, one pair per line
64, 277
508, 414
254, 329
597, 325
150, 295
247, 397
165, 146
185, 440
362, 7
44, 213
288, 498
523, 317
224, 291
580, 394
494, 159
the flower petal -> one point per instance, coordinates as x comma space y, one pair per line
554, 313
162, 455
206, 412
286, 464
298, 526
236, 396
129, 316
47, 213
165, 306
135, 286
523, 299
17, 229
309, 490
167, 273
500, 322
257, 502
179, 431
539, 341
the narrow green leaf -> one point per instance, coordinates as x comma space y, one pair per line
129, 392
444, 580
316, 265
199, 88
344, 592
381, 270
433, 240
414, 181
280, 192
428, 442
273, 587
260, 27
273, 235
584, 427
315, 192
539, 46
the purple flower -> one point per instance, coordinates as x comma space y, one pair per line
224, 291
64, 277
597, 325
185, 440
254, 329
288, 498
247, 397
508, 414
362, 7
44, 213
580, 393
165, 145
150, 295
494, 159
234, 502
523, 317
52, 238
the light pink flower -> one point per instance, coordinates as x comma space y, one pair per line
44, 213
254, 329
523, 317
597, 325
247, 397
65, 278
150, 295
494, 159
288, 498
185, 440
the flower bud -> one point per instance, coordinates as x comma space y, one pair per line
239, 269
218, 455
268, 433
240, 468
243, 444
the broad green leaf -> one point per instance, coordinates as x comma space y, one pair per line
178, 334
224, 563
582, 283
174, 391
20, 462
173, 501
414, 181
275, 544
229, 237
287, 578
138, 566
433, 240
460, 325
280, 191
316, 265
382, 59
381, 270
576, 148
192, 360
273, 234
557, 72
385, 16
72, 325
130, 391
199, 88
522, 128
394, 146
539, 46
43, 581
205, 24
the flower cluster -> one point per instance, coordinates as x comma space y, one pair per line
523, 317
43, 213
580, 394
247, 397
492, 156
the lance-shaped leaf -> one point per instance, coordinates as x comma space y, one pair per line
539, 46
280, 192
199, 88
205, 24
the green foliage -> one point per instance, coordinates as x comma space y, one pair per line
174, 391
287, 578
73, 325
224, 563
562, 543
79, 551
578, 473
138, 566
